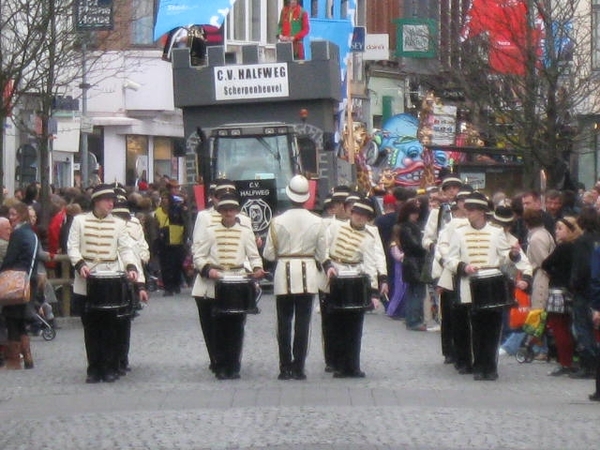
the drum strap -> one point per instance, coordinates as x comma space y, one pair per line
288, 277
304, 277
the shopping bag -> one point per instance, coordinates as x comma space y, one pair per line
535, 322
518, 313
14, 287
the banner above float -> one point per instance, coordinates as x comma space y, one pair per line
179, 13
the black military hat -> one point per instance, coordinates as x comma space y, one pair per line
476, 200
103, 191
228, 199
363, 206
223, 186
120, 191
340, 193
451, 180
352, 197
504, 214
121, 208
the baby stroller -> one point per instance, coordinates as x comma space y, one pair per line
535, 335
42, 321
46, 329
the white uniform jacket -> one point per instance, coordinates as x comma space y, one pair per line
223, 248
296, 240
444, 276
102, 244
140, 246
378, 254
435, 224
483, 248
351, 249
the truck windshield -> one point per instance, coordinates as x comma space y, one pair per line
255, 158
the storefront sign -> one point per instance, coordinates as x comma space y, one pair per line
251, 81
416, 38
377, 47
94, 14
358, 39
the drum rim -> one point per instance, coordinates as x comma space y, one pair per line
487, 272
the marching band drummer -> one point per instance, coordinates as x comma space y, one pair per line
98, 241
204, 219
352, 246
473, 246
142, 256
219, 250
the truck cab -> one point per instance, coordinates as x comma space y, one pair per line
260, 151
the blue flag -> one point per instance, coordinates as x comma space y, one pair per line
178, 13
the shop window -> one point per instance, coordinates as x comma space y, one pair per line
165, 163
136, 163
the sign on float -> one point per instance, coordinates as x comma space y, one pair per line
251, 81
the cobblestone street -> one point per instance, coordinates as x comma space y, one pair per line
170, 400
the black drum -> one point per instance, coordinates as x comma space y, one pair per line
350, 292
109, 291
489, 289
235, 295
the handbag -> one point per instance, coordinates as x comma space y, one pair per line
14, 284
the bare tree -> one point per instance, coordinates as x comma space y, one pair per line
41, 59
24, 25
526, 76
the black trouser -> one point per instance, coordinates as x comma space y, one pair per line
346, 331
171, 265
447, 300
206, 315
15, 328
295, 308
326, 335
228, 341
123, 341
101, 338
486, 327
461, 332
584, 333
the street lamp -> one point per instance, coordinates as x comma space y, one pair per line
90, 15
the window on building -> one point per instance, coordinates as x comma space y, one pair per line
142, 22
595, 34
136, 162
164, 161
246, 21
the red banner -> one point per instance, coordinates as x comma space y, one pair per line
505, 21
